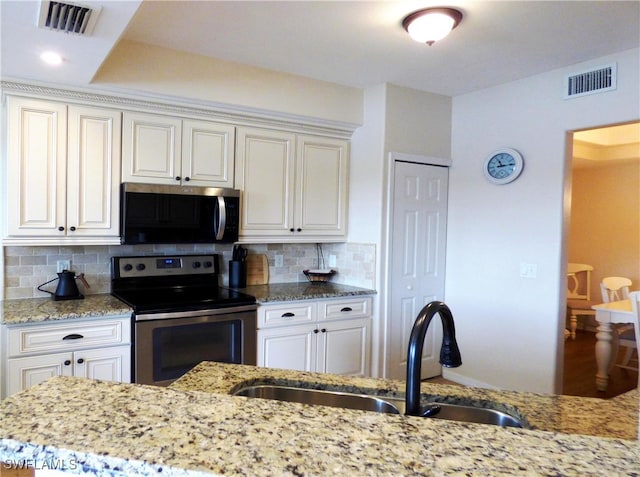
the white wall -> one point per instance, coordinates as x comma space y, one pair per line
396, 119
510, 328
366, 202
147, 69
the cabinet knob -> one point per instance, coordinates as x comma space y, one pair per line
72, 228
346, 309
291, 229
288, 315
61, 229
80, 360
316, 331
324, 330
298, 229
67, 362
178, 178
187, 179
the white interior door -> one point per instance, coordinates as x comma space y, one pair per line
417, 261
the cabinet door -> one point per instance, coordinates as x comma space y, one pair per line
93, 172
108, 364
265, 174
23, 373
36, 163
151, 148
289, 347
322, 166
343, 347
207, 153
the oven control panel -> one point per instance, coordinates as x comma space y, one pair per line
154, 266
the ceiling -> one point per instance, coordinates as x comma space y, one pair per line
354, 43
607, 145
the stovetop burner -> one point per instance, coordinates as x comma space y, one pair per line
153, 284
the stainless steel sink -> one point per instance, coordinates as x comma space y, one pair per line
365, 402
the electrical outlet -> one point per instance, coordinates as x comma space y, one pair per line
63, 265
332, 260
528, 270
279, 261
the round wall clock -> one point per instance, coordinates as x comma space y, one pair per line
503, 166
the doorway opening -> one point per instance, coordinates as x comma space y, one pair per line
604, 232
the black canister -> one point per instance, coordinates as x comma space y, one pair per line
237, 273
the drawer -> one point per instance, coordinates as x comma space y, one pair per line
286, 314
344, 308
68, 336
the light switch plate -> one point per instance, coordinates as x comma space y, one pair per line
528, 270
63, 265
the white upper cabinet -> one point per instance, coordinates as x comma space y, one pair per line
63, 173
161, 149
322, 166
294, 186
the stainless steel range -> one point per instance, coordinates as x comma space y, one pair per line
181, 316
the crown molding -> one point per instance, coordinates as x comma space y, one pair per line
238, 115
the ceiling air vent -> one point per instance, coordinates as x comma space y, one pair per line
67, 17
595, 81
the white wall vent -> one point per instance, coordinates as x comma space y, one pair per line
598, 80
67, 17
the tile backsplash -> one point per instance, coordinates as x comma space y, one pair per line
28, 267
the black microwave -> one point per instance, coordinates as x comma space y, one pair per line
151, 213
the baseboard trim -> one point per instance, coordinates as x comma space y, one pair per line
451, 375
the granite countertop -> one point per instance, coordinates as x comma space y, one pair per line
37, 310
194, 428
302, 291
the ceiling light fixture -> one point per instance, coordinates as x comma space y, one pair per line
51, 58
431, 24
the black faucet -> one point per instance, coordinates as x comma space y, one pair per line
449, 354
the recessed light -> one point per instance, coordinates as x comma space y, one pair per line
51, 58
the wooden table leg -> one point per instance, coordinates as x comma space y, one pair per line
603, 355
573, 325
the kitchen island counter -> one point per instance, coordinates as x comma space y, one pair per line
193, 428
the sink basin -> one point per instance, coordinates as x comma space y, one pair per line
365, 402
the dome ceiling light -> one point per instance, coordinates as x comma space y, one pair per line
431, 24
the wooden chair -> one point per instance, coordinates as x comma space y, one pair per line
616, 289
578, 294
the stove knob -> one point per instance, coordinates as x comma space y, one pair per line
208, 264
128, 267
196, 265
140, 267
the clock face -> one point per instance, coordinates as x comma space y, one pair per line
503, 166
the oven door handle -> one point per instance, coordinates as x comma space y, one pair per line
221, 219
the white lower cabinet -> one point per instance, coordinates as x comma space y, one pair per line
326, 336
97, 349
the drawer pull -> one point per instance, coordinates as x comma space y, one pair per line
346, 309
288, 315
67, 362
73, 336
80, 361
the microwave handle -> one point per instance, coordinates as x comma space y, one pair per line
222, 218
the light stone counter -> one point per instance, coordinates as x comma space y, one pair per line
302, 291
37, 310
194, 428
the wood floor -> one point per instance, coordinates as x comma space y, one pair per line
580, 370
